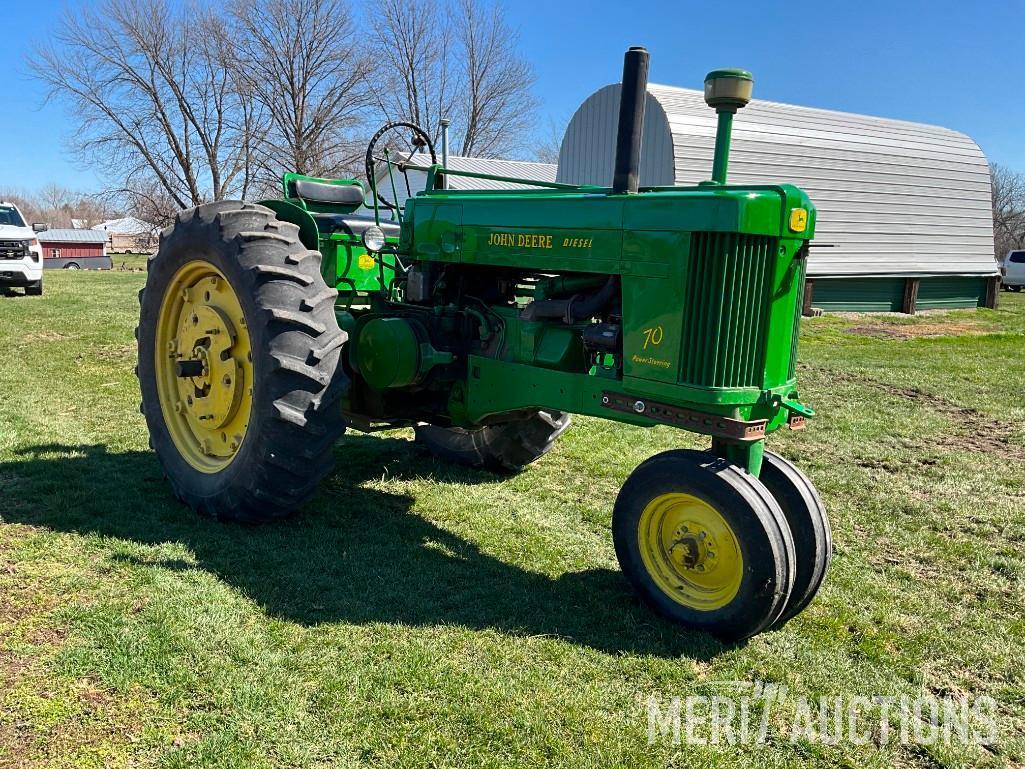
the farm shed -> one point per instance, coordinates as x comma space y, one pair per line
904, 214
518, 169
74, 249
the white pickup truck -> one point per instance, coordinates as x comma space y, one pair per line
21, 257
1012, 271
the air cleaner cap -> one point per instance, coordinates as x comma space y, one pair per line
728, 89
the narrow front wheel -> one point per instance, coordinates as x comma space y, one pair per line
806, 517
704, 543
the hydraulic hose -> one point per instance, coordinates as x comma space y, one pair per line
574, 309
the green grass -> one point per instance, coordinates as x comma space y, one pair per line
129, 261
422, 615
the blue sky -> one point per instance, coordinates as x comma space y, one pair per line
954, 64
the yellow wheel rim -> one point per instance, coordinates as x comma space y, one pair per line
690, 551
204, 367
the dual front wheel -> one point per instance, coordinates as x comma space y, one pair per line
716, 549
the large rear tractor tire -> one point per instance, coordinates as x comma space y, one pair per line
704, 543
239, 363
506, 447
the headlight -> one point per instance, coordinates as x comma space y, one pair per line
33, 242
373, 238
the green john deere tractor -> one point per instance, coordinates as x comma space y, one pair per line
483, 319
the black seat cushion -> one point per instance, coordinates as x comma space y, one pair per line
352, 224
331, 194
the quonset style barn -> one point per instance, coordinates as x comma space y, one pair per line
904, 214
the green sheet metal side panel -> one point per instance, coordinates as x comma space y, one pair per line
859, 294
950, 292
887, 294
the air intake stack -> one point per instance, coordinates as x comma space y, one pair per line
726, 91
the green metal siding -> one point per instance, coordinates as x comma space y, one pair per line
859, 294
887, 294
951, 291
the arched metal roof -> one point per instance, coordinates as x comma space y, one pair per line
894, 197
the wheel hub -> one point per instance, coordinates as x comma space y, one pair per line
694, 548
690, 551
205, 382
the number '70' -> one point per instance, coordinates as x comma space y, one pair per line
653, 336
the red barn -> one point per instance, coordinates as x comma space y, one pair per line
75, 250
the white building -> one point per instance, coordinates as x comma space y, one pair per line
129, 235
903, 208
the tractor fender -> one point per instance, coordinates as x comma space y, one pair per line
309, 234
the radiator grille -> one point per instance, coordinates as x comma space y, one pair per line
12, 249
725, 317
802, 266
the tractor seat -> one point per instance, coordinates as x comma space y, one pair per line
351, 224
328, 194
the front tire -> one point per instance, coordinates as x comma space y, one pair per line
809, 525
704, 543
239, 363
35, 289
506, 447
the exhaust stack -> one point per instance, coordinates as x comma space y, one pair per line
631, 120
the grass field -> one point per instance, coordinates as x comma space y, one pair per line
422, 615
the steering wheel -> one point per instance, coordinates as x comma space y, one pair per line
404, 140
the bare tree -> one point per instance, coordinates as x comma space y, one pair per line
149, 201
457, 61
61, 207
302, 61
548, 142
155, 102
1008, 209
179, 103
497, 109
29, 204
54, 197
416, 82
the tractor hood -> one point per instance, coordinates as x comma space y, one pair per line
589, 229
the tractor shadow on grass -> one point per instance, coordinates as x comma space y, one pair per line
357, 554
